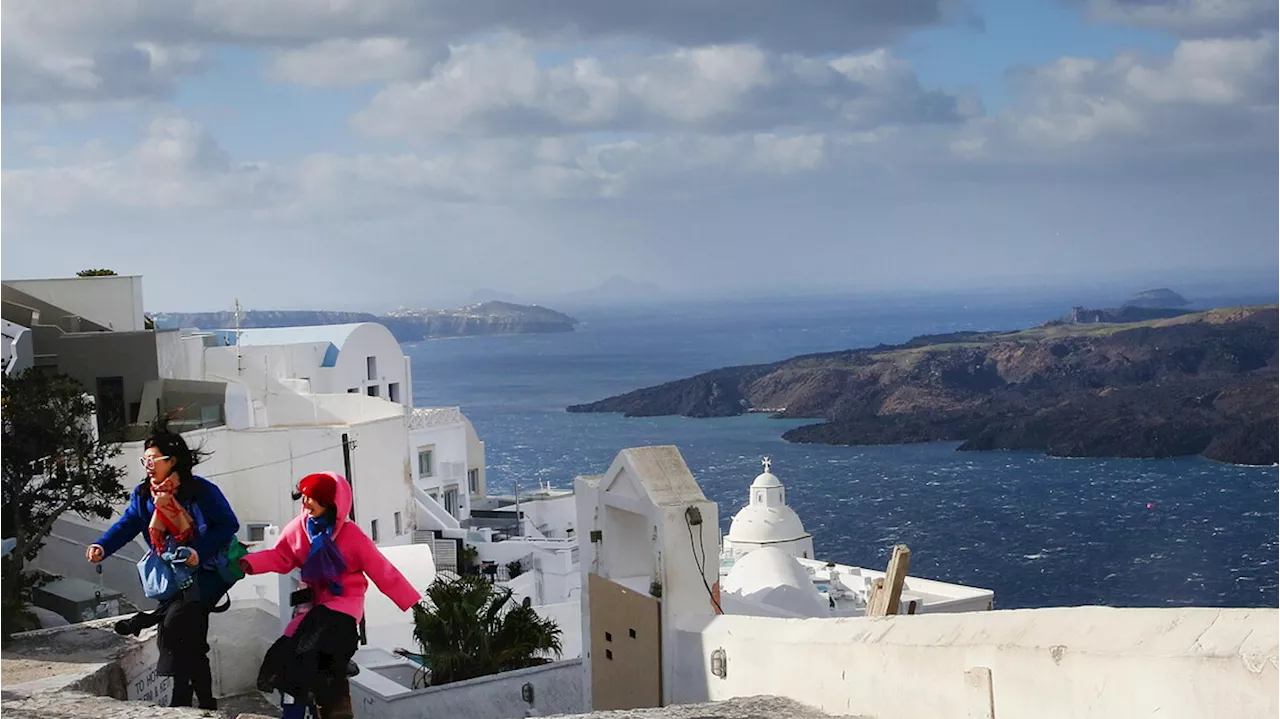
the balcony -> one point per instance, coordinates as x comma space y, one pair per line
427, 417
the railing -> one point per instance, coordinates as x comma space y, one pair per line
423, 417
433, 508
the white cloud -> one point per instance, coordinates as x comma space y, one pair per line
351, 62
37, 72
1189, 18
499, 88
1211, 99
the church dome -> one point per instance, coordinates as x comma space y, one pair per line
766, 480
766, 519
758, 524
771, 576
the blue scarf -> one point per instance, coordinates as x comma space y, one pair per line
324, 562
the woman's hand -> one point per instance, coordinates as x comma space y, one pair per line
94, 553
194, 558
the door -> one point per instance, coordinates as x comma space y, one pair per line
625, 646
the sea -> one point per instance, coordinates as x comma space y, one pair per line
1039, 531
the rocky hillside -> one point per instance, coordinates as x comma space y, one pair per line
1201, 383
486, 318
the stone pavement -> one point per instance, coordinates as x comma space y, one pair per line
75, 705
762, 707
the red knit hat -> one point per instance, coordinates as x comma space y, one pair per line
320, 487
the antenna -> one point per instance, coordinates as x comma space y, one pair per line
239, 354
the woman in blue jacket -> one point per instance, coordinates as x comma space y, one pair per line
178, 509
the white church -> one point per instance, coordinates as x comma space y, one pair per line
768, 568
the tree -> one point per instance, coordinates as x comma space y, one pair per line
53, 464
469, 627
96, 273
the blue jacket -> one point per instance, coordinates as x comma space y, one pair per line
215, 522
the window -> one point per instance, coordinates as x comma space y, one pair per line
425, 464
473, 481
353, 390
374, 390
371, 363
451, 502
110, 401
393, 391
257, 532
399, 527
373, 530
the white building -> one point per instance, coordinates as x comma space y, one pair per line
111, 301
767, 521
360, 358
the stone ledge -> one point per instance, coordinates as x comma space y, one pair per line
77, 705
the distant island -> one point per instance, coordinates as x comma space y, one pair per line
1198, 383
1146, 305
485, 318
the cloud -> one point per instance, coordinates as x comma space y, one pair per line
500, 88
177, 167
351, 62
1188, 18
1210, 104
821, 26
58, 51
40, 73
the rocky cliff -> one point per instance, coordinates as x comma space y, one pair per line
486, 318
1201, 383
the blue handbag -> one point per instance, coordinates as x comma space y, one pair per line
165, 576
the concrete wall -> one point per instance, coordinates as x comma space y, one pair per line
87, 356
1036, 663
113, 301
557, 689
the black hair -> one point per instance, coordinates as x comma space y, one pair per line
172, 445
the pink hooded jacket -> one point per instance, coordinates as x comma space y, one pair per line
361, 554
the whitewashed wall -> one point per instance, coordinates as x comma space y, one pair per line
1042, 663
557, 689
112, 301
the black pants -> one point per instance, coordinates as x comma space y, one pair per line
183, 641
311, 665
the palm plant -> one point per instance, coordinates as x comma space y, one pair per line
469, 627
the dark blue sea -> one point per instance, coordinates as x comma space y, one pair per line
1038, 531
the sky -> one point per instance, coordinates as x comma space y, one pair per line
366, 154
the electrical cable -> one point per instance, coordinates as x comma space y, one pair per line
278, 461
702, 571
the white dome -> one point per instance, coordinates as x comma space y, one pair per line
771, 576
758, 524
766, 480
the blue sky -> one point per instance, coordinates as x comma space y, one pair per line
1018, 33
550, 150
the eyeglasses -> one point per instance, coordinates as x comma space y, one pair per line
149, 462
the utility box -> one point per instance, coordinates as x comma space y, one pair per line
77, 600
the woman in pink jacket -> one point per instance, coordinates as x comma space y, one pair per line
310, 662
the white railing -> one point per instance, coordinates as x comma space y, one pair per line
423, 417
